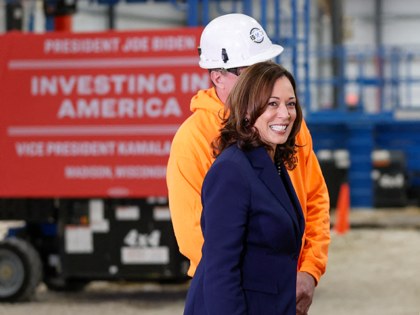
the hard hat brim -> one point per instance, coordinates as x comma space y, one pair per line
269, 54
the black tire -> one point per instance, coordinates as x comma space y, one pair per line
20, 270
65, 285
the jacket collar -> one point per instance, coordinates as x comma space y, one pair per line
267, 172
207, 100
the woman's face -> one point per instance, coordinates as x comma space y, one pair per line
276, 123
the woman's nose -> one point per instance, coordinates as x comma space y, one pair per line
283, 112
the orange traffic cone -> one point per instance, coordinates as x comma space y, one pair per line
342, 220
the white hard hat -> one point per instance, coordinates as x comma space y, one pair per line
235, 40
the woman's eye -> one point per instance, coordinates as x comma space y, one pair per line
272, 104
293, 104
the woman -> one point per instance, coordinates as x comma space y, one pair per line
252, 221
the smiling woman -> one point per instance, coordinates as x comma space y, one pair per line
276, 123
264, 111
252, 221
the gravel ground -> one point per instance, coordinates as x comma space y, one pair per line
370, 272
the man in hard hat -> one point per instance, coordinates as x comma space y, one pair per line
228, 45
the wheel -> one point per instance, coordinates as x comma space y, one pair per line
65, 285
20, 270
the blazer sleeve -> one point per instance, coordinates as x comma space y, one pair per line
226, 199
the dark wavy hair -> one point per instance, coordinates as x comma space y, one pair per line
249, 99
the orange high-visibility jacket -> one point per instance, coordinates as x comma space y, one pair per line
189, 161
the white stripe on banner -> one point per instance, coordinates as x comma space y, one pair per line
102, 63
134, 130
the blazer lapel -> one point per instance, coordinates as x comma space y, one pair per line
295, 199
264, 167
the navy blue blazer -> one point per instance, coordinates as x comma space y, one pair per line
252, 239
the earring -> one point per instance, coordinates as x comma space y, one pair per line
246, 120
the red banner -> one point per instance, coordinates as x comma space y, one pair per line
93, 115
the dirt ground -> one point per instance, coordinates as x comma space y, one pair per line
370, 272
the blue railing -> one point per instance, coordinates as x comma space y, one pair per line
391, 75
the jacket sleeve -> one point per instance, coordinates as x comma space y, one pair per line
314, 255
226, 198
184, 179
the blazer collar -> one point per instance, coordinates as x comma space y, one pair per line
267, 172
